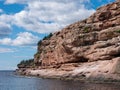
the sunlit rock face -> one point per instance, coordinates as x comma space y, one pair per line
93, 39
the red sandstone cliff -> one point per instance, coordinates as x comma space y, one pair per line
84, 50
95, 38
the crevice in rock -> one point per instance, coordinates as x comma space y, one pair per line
81, 59
116, 55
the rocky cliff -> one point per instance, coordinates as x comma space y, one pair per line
95, 38
84, 49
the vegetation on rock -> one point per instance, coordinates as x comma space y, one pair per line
86, 29
48, 36
45, 38
39, 42
26, 64
118, 31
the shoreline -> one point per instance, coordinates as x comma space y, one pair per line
71, 79
98, 71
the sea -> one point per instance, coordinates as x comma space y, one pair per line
10, 81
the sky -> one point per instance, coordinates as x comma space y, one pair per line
24, 22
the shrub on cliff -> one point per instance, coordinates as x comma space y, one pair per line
39, 42
37, 55
46, 37
26, 63
118, 31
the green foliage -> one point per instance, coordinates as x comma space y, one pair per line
118, 31
37, 55
26, 63
86, 29
47, 37
39, 42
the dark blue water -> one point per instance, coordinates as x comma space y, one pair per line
9, 81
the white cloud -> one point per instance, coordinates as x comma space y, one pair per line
44, 16
4, 18
22, 39
6, 50
1, 11
5, 29
5, 41
25, 39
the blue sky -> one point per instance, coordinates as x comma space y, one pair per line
24, 22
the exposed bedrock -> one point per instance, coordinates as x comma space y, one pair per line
95, 38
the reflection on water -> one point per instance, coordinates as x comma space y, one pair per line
8, 81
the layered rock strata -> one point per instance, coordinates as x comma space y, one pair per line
93, 39
88, 49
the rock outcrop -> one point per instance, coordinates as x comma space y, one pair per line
93, 39
100, 71
83, 50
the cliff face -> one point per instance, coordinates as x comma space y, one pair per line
95, 38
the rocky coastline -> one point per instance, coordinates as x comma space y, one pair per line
87, 50
99, 71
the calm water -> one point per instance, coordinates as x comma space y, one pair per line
8, 81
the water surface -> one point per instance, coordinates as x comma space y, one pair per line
9, 81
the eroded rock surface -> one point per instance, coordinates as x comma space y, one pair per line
107, 70
93, 39
88, 49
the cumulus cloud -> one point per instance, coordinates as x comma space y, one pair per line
49, 16
1, 10
22, 39
44, 16
4, 18
5, 50
5, 29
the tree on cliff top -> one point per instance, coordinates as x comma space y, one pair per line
26, 63
45, 38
